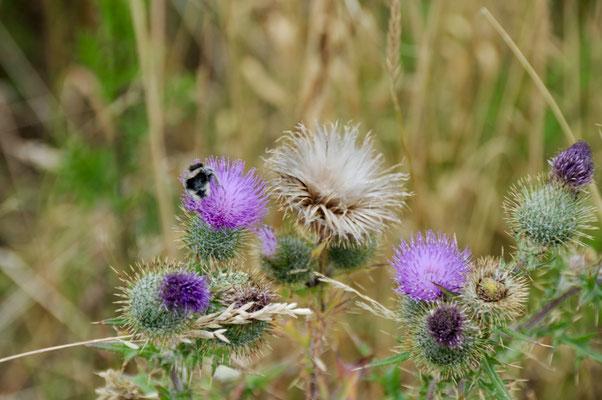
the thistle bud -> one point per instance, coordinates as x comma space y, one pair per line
441, 338
290, 262
206, 243
160, 298
348, 257
544, 215
574, 166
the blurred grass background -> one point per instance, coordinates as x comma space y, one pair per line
104, 102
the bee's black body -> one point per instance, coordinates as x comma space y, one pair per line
198, 180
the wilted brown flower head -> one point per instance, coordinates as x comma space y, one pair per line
336, 186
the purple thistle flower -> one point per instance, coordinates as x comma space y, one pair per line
240, 201
445, 325
265, 233
427, 261
185, 291
574, 165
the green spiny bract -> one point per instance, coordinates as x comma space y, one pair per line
206, 243
447, 352
494, 292
291, 263
143, 311
347, 257
544, 215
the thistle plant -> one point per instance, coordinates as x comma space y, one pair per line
456, 314
340, 199
206, 309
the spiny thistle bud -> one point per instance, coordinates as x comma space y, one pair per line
574, 166
206, 243
543, 215
268, 240
441, 338
494, 293
160, 297
291, 261
428, 261
348, 257
336, 187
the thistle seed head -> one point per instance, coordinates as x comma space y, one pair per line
336, 187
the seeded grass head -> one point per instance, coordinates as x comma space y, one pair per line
574, 166
239, 289
160, 297
427, 262
334, 185
494, 293
543, 215
441, 338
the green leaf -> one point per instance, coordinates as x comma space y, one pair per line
127, 352
499, 389
580, 344
520, 336
396, 359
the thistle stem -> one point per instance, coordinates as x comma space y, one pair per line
174, 375
537, 318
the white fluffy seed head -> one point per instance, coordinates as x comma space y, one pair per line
335, 185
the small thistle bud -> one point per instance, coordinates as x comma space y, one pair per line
291, 261
185, 291
494, 293
544, 216
574, 166
441, 338
348, 257
160, 298
206, 243
427, 262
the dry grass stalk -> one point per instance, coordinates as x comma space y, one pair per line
368, 304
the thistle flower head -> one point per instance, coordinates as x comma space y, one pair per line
268, 240
574, 166
426, 261
238, 201
205, 243
185, 291
494, 293
158, 299
445, 325
543, 215
441, 338
335, 186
